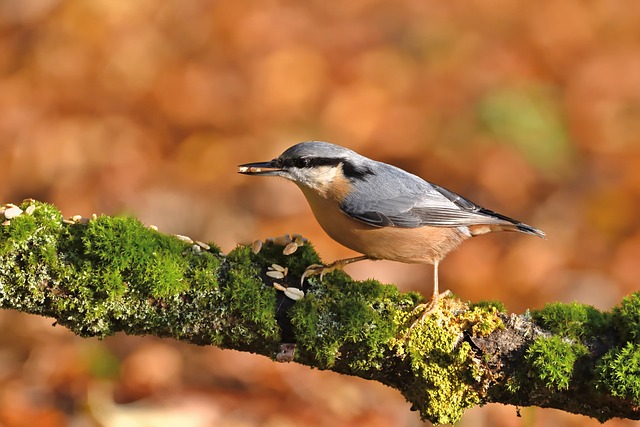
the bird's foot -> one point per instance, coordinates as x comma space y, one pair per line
315, 269
320, 269
428, 308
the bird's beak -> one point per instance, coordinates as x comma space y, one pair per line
260, 168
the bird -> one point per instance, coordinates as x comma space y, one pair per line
381, 211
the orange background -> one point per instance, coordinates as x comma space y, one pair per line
531, 109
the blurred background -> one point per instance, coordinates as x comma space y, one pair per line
531, 109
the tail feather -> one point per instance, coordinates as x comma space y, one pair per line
509, 225
525, 228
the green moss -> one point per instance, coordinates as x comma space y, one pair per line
572, 320
303, 257
551, 361
21, 230
329, 320
203, 273
106, 275
111, 280
27, 254
451, 378
483, 319
626, 318
498, 305
248, 298
446, 378
125, 247
618, 371
513, 384
445, 390
117, 242
30, 230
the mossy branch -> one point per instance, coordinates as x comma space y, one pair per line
111, 274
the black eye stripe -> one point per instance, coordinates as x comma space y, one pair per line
301, 162
350, 170
310, 162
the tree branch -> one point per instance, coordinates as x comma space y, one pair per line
108, 274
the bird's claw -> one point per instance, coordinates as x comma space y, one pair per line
428, 308
315, 269
320, 269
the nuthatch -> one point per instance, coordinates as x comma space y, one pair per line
379, 210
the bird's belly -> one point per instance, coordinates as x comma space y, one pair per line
409, 245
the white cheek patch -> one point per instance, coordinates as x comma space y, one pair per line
321, 178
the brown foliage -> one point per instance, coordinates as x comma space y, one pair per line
143, 107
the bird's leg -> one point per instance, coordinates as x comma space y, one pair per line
320, 269
430, 306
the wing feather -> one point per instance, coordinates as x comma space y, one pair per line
393, 197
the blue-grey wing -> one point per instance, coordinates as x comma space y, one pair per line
393, 197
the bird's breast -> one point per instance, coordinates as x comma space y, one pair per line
409, 245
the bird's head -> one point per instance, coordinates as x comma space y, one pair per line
313, 164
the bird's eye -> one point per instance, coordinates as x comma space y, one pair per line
301, 162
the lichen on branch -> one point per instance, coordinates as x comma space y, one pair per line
106, 274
